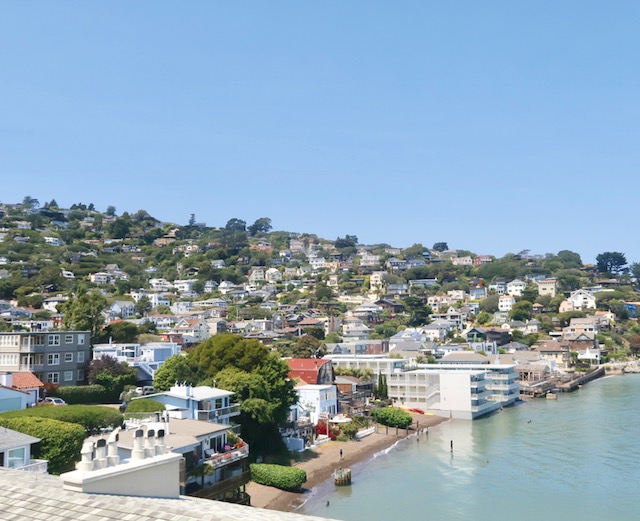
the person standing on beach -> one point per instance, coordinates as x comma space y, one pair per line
340, 453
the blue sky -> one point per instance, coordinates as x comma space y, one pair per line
495, 126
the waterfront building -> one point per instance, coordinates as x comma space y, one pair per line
456, 390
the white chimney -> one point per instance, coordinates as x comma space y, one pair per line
6, 379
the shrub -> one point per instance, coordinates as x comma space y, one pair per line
91, 417
61, 441
74, 394
145, 405
393, 417
279, 476
350, 430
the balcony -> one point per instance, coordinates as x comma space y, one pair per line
220, 460
218, 414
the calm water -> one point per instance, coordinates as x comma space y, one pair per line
575, 458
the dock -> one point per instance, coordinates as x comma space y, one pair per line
566, 383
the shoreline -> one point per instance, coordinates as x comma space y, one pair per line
322, 463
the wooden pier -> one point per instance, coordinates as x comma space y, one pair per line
567, 383
575, 383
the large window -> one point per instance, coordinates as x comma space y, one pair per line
68, 357
54, 340
16, 458
53, 378
53, 359
68, 376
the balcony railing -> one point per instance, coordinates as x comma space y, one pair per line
39, 466
217, 414
221, 460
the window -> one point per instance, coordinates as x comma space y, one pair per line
80, 357
53, 378
68, 339
16, 458
68, 376
53, 359
80, 340
54, 340
80, 375
68, 357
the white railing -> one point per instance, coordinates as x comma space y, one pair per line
40, 466
220, 460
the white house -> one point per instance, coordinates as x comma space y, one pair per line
273, 275
516, 287
314, 400
505, 303
578, 300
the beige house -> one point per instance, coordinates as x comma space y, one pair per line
547, 287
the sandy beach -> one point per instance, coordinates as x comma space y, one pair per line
326, 459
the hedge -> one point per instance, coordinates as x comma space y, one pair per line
91, 417
61, 441
393, 417
279, 476
145, 405
75, 394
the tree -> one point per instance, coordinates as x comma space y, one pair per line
440, 246
307, 346
348, 241
521, 310
262, 225
112, 375
381, 388
530, 293
323, 293
265, 394
176, 369
236, 225
418, 311
143, 306
111, 211
228, 350
611, 262
83, 311
30, 202
490, 304
121, 332
569, 259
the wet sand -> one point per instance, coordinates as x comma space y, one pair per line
326, 459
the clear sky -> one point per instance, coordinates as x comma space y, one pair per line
496, 126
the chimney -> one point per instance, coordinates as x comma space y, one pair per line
138, 451
6, 379
150, 445
101, 454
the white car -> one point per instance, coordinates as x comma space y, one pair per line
52, 400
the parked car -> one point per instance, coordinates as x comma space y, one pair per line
144, 391
52, 400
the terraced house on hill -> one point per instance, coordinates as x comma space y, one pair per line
56, 357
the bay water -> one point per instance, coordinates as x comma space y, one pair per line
574, 458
